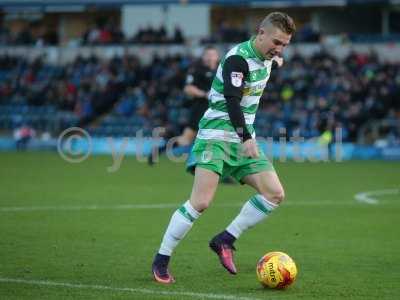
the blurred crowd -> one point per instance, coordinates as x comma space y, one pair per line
102, 32
228, 33
311, 94
112, 34
147, 92
108, 32
306, 97
33, 34
150, 35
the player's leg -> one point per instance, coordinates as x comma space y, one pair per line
185, 139
269, 194
204, 187
190, 132
267, 184
166, 134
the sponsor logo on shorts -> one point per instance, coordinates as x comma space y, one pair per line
206, 156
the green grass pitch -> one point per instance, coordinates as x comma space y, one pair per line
66, 234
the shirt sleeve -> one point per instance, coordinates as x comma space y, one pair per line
235, 70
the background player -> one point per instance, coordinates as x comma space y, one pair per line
198, 83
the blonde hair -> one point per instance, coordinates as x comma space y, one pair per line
281, 21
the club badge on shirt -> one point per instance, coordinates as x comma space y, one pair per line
236, 78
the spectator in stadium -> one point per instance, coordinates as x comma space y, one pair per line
103, 32
150, 35
24, 37
22, 136
5, 35
178, 36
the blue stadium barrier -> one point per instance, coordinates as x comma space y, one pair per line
305, 151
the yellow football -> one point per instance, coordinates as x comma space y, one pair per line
276, 270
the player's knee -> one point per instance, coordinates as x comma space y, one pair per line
201, 205
279, 196
276, 196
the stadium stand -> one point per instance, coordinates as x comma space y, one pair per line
305, 94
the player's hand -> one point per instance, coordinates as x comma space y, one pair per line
278, 60
204, 94
250, 148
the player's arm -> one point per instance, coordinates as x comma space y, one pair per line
234, 71
191, 89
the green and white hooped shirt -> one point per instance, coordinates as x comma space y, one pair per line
216, 124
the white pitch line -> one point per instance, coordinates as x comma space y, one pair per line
125, 289
86, 207
370, 197
148, 206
